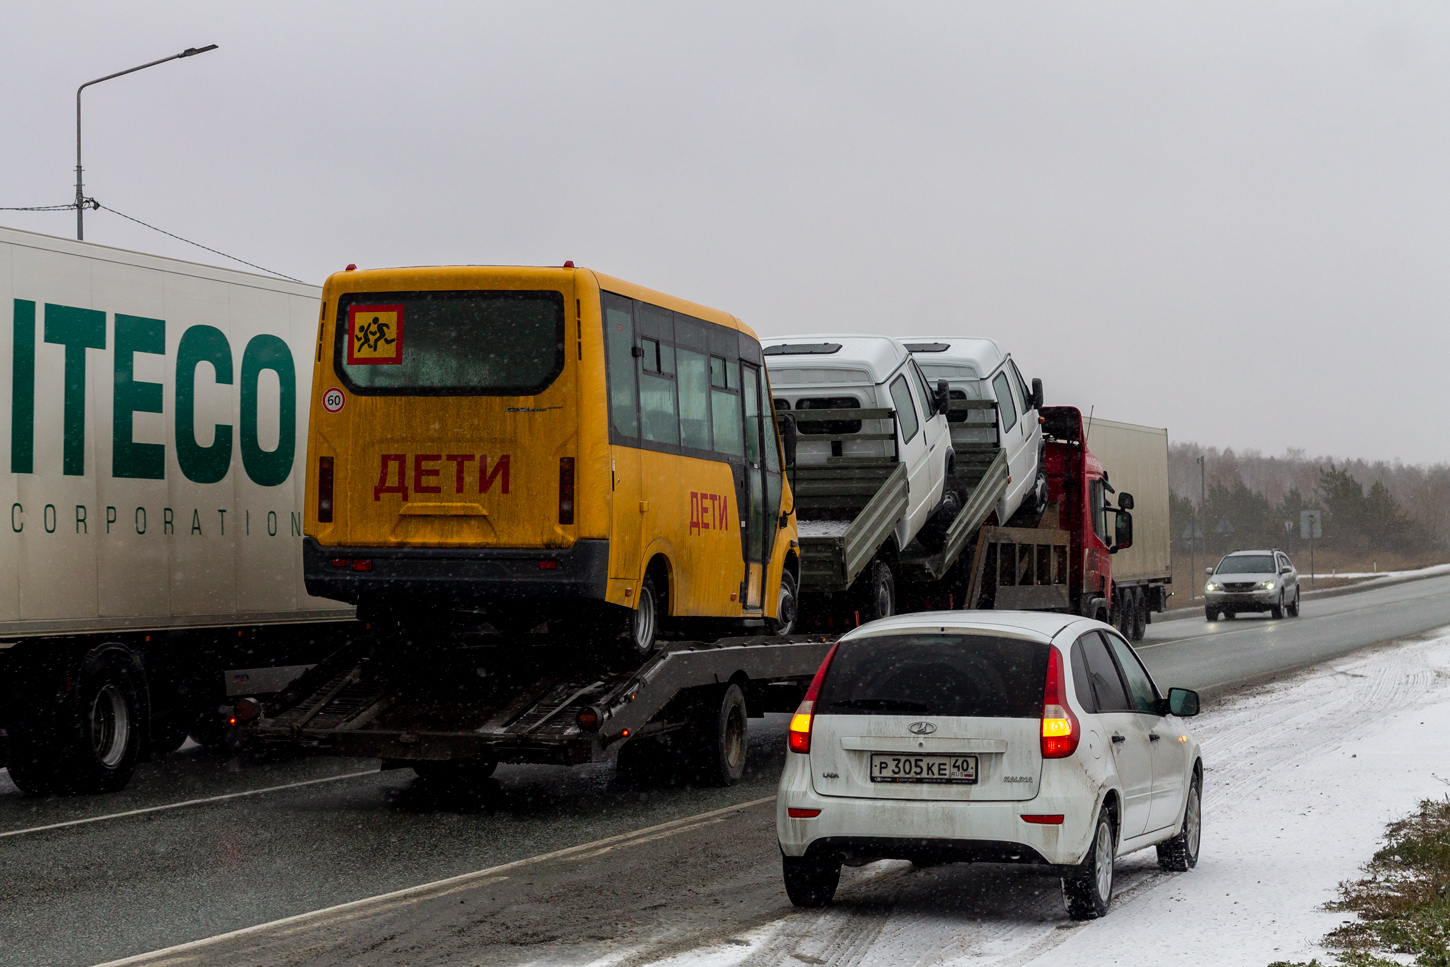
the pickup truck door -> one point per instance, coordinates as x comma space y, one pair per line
938, 434
1013, 429
912, 449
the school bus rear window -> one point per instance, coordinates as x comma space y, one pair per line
467, 343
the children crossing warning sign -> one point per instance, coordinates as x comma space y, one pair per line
375, 335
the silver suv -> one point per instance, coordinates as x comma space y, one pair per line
1252, 581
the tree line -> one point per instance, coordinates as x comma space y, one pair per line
1249, 498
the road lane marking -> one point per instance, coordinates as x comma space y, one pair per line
443, 886
188, 802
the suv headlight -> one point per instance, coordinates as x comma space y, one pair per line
1211, 586
1266, 585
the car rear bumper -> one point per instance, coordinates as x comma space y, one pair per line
933, 830
462, 575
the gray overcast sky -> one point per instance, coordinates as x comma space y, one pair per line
1227, 219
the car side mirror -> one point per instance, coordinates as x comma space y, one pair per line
1123, 532
1182, 702
1125, 501
1208, 571
1037, 394
1286, 570
943, 396
788, 438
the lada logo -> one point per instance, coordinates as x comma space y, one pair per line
921, 728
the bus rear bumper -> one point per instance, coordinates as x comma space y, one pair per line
457, 574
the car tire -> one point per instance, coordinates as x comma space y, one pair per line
787, 607
1277, 611
1180, 854
810, 881
1294, 608
1088, 888
1140, 618
1210, 614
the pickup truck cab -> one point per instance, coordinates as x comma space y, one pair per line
872, 372
977, 369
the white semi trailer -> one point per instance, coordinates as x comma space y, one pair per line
152, 437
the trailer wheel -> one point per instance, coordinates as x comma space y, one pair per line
90, 743
721, 736
1140, 616
1123, 618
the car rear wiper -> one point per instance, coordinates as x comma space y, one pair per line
883, 704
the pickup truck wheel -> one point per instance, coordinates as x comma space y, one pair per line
717, 748
880, 592
787, 607
810, 882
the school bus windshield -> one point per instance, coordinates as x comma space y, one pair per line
467, 343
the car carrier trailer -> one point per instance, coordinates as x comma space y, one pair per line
473, 700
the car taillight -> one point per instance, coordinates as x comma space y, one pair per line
1060, 730
324, 490
799, 739
566, 490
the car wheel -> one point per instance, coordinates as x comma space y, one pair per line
1277, 610
1180, 854
1211, 614
810, 881
1294, 608
1088, 888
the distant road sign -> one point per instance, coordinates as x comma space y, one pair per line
1192, 531
1224, 527
1311, 524
1288, 527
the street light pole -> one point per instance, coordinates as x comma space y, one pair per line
1203, 509
80, 193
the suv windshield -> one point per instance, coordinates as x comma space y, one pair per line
1247, 564
468, 343
980, 676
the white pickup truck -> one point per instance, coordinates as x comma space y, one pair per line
977, 369
899, 422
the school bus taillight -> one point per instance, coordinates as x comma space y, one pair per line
566, 490
324, 490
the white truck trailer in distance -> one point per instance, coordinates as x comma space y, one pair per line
152, 437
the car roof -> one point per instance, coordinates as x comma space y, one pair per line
1036, 625
878, 356
975, 353
1267, 550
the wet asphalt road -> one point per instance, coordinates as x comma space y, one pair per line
84, 894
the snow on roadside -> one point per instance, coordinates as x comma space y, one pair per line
1435, 570
1302, 776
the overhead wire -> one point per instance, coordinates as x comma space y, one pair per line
92, 203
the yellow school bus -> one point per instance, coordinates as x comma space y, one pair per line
543, 445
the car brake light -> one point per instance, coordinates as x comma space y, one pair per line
1060, 731
324, 490
566, 490
799, 738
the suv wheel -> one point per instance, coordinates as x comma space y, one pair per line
1277, 610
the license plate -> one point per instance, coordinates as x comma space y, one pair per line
923, 768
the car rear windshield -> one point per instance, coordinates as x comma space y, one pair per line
979, 676
468, 343
1247, 564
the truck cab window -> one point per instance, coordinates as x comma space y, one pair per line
1097, 505
1005, 404
905, 409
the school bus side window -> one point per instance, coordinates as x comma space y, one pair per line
693, 380
659, 418
725, 408
623, 386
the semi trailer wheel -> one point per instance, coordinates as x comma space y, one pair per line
721, 735
89, 742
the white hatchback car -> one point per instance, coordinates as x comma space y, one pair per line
988, 736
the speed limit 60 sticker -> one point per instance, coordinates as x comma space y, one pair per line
333, 400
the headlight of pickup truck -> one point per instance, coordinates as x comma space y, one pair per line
1211, 586
1266, 585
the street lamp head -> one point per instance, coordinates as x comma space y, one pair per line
192, 51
